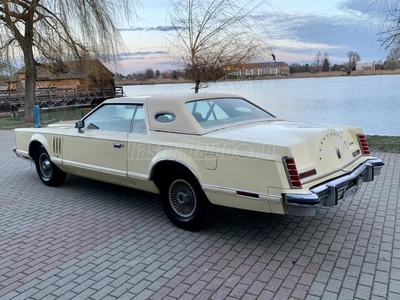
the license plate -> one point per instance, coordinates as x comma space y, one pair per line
353, 190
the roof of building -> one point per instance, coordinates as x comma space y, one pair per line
70, 70
273, 64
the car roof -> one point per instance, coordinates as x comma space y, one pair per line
171, 98
173, 104
136, 99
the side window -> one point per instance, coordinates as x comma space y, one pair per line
139, 123
111, 117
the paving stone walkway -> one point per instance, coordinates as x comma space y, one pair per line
90, 240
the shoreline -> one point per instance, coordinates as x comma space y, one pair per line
271, 77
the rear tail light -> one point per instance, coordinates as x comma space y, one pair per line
362, 141
291, 172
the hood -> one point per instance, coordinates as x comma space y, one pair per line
63, 124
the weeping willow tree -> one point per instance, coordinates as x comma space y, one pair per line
6, 67
212, 38
390, 30
56, 30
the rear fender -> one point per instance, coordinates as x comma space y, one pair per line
179, 156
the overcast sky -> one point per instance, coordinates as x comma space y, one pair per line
296, 31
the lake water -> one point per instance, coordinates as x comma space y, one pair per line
372, 102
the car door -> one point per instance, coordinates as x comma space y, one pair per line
99, 150
139, 152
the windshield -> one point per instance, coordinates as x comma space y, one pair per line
218, 112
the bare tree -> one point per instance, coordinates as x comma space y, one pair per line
149, 73
326, 65
394, 54
317, 60
215, 37
353, 57
6, 66
55, 30
390, 31
392, 60
391, 65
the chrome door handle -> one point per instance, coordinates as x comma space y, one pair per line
118, 145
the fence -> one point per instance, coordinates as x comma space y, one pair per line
55, 97
51, 115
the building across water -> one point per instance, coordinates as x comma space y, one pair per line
261, 69
365, 66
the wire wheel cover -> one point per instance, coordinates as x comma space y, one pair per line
45, 165
182, 198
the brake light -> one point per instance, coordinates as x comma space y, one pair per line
291, 172
362, 141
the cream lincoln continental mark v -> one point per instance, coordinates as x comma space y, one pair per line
202, 149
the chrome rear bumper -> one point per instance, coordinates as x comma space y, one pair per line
330, 192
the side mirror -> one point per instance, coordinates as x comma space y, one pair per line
80, 124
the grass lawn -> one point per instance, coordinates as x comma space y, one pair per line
8, 123
384, 143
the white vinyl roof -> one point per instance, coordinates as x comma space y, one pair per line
174, 104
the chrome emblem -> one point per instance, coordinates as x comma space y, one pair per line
339, 155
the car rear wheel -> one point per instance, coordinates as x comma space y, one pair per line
184, 202
48, 172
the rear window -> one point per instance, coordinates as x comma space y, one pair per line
217, 112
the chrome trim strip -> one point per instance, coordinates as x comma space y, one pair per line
57, 160
22, 154
95, 168
138, 176
232, 192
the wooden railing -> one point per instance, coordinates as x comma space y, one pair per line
53, 97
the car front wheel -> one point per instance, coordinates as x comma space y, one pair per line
48, 172
184, 202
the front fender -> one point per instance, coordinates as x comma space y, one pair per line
41, 139
34, 142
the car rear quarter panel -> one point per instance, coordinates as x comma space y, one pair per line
220, 170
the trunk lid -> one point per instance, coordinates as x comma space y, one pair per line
326, 149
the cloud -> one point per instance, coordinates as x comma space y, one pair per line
336, 34
293, 45
157, 28
174, 64
360, 6
140, 55
314, 28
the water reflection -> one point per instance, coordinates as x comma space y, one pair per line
368, 101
